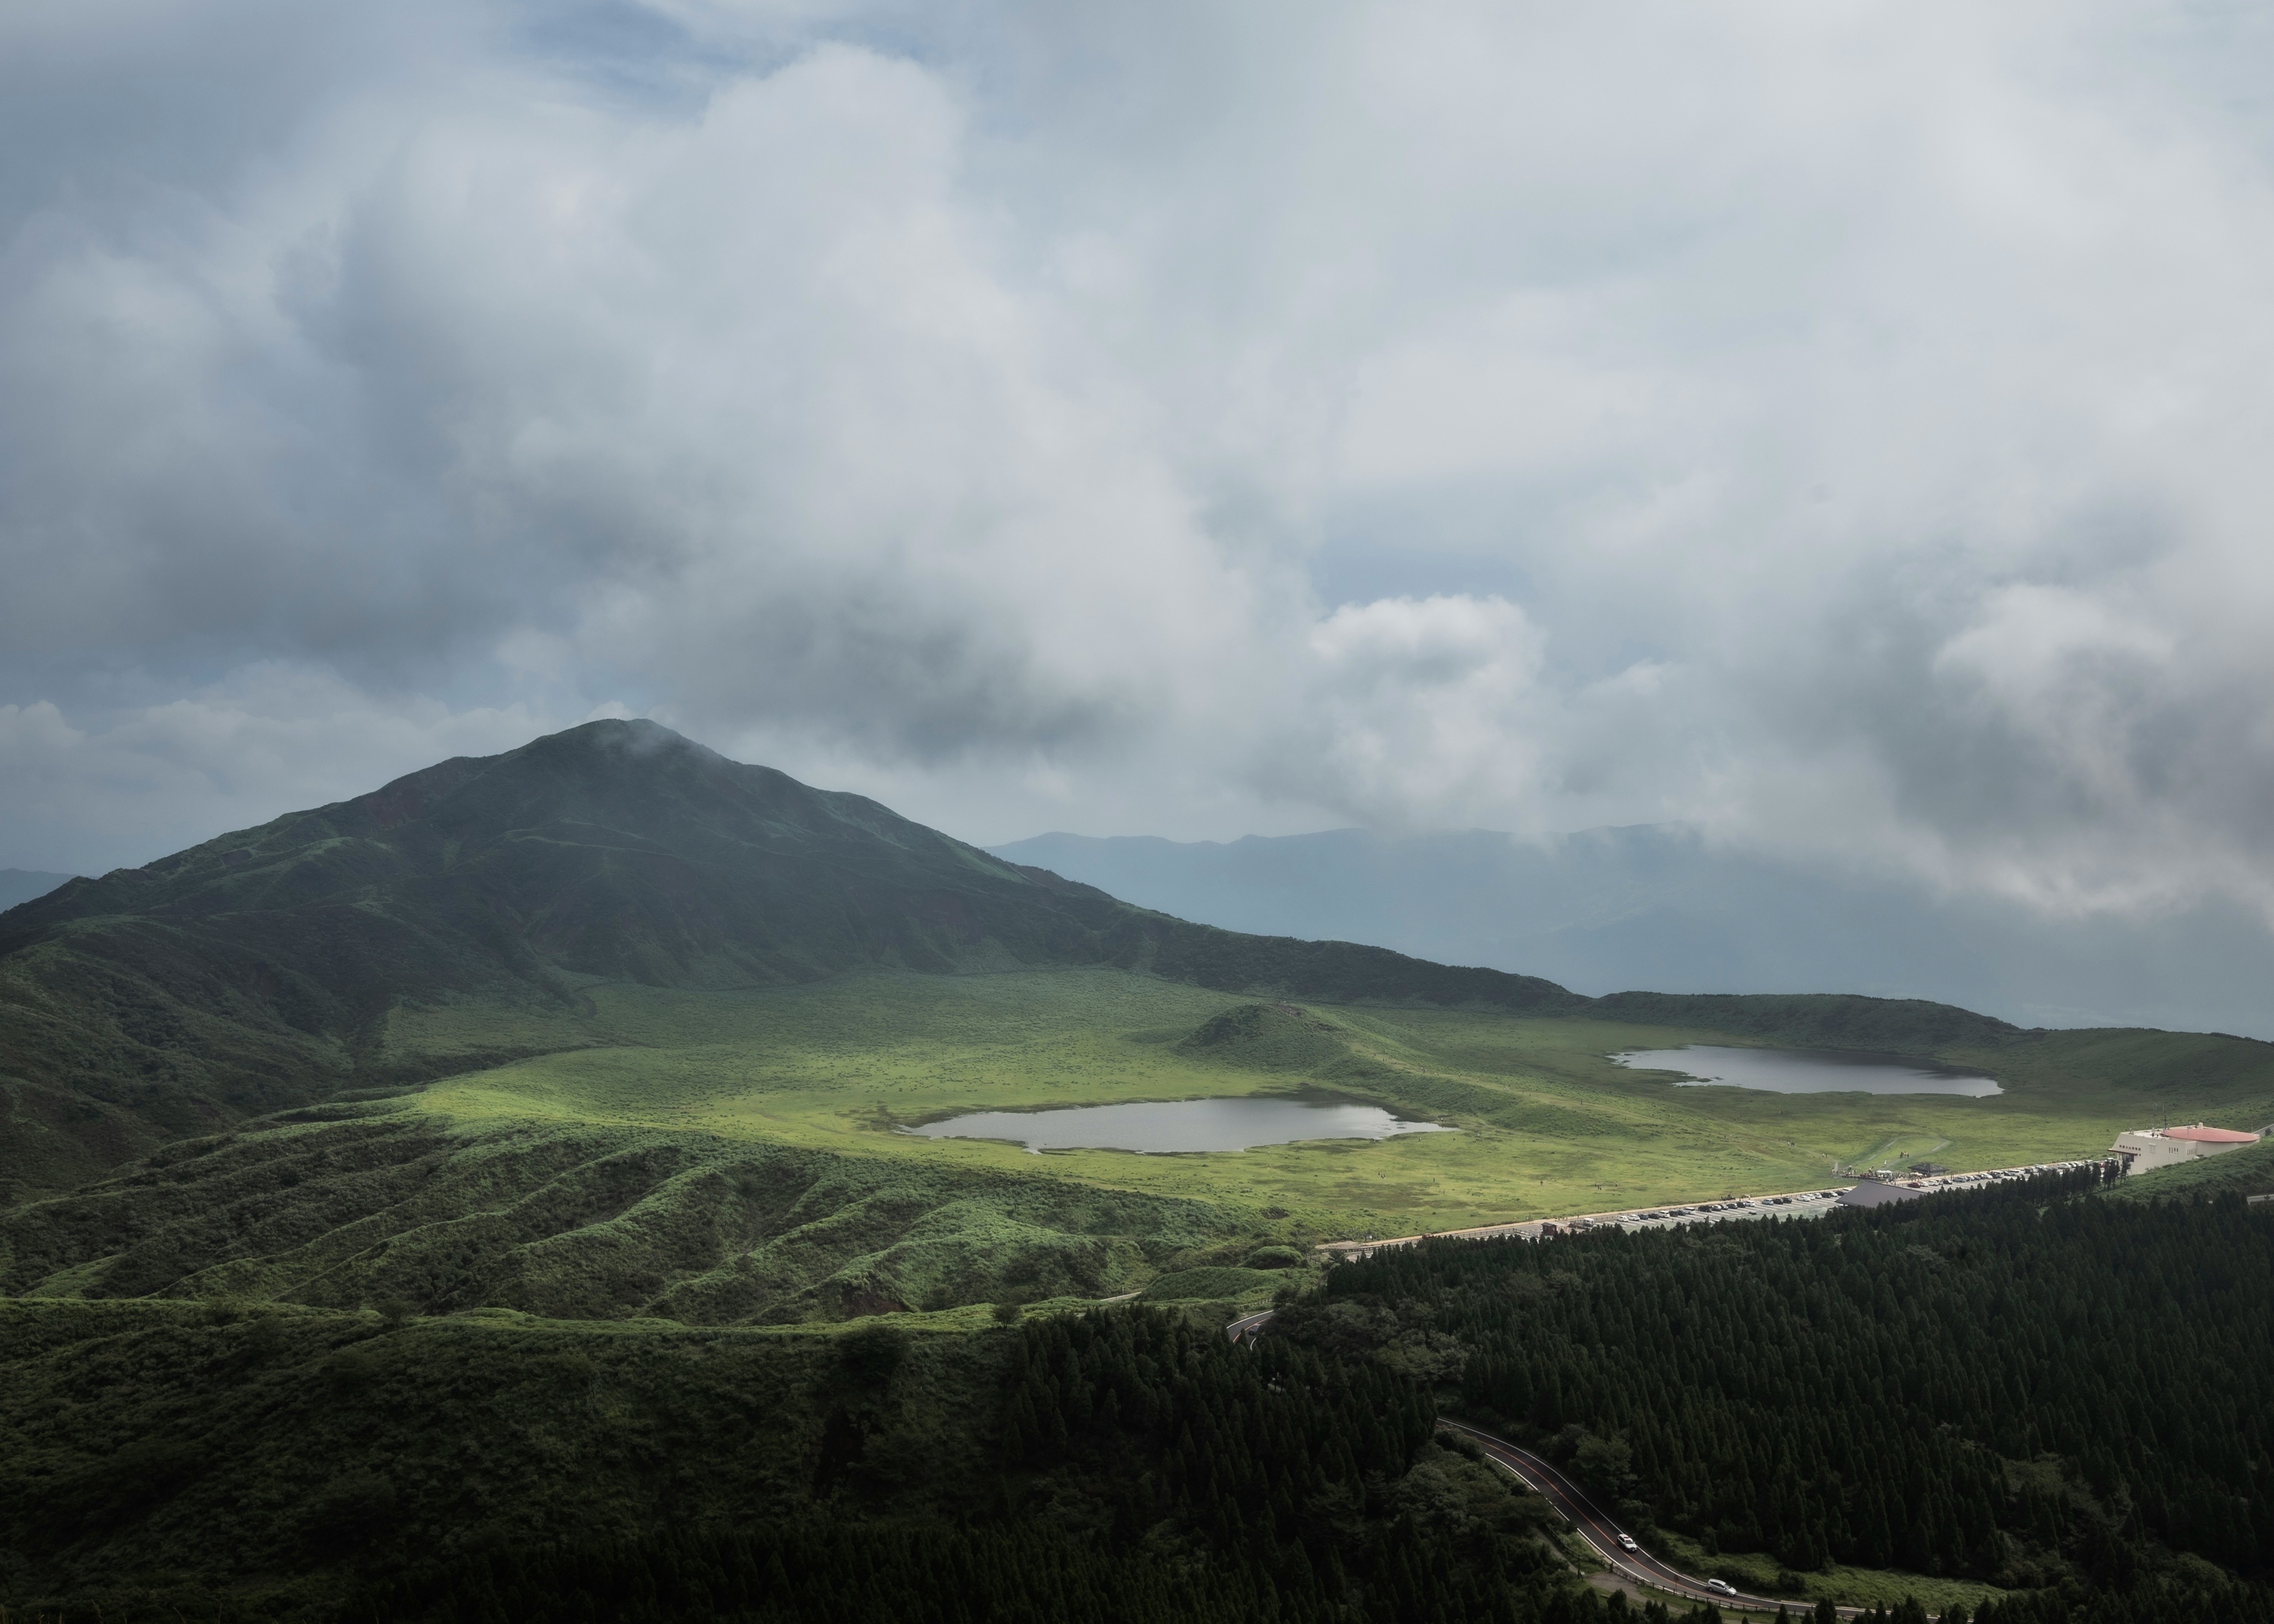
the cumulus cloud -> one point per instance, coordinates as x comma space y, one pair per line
1838, 426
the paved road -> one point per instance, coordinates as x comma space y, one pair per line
1603, 1535
1571, 1503
1248, 1327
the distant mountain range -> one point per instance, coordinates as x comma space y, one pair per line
23, 884
1656, 907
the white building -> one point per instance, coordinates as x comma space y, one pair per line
2144, 1150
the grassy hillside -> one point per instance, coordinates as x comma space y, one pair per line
379, 1204
736, 1157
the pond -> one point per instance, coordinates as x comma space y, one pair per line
1179, 1124
1805, 1071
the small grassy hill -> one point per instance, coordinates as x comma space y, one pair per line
1213, 1285
1269, 1037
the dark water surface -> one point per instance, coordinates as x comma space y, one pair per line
1178, 1124
1805, 1071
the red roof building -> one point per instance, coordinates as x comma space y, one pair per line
2144, 1150
2201, 1135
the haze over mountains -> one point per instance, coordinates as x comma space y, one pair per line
22, 884
1654, 905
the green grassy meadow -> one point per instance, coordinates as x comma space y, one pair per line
1548, 1126
736, 1157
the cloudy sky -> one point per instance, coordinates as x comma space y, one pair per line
1843, 425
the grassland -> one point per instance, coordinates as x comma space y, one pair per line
1547, 1123
720, 1158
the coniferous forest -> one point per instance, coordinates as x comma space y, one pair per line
2028, 1386
1145, 1469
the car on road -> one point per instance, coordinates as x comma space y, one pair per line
1721, 1587
1626, 1543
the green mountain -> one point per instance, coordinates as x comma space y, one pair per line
269, 967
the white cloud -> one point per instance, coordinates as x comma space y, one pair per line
1852, 416
157, 778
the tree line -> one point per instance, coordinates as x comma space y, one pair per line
1147, 1470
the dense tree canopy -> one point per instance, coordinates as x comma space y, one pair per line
1979, 1384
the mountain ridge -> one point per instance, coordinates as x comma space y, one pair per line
22, 885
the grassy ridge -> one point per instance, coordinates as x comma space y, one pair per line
1823, 1020
380, 1204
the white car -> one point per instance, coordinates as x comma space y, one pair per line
1721, 1587
1626, 1543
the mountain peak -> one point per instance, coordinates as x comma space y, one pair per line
632, 737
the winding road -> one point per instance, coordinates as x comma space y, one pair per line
1571, 1503
1570, 1500
1248, 1327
